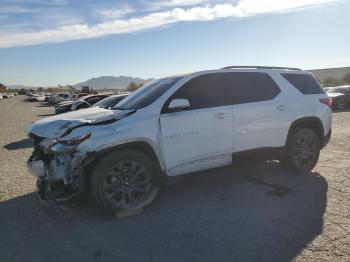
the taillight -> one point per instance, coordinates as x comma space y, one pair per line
327, 101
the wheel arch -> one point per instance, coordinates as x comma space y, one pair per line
313, 123
92, 158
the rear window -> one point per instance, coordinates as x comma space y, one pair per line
305, 83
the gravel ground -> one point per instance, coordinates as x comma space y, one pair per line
253, 212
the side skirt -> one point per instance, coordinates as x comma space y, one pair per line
260, 154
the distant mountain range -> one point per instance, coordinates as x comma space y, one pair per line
322, 74
98, 83
121, 82
111, 82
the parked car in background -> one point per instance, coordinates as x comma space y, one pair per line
61, 97
340, 96
66, 106
36, 97
179, 125
110, 101
88, 101
326, 88
51, 98
79, 95
39, 98
47, 97
63, 107
82, 102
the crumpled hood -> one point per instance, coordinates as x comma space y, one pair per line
334, 94
56, 126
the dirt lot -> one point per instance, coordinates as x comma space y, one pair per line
242, 213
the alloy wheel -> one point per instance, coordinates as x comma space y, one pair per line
340, 104
127, 184
305, 152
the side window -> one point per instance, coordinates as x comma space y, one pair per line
204, 91
305, 83
93, 100
83, 105
250, 87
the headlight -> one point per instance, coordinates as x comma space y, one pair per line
64, 146
75, 141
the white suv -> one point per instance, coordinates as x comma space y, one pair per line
179, 125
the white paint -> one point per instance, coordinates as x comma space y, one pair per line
192, 140
189, 137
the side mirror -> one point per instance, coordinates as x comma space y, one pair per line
178, 104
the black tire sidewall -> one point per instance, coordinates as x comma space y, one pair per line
103, 166
289, 160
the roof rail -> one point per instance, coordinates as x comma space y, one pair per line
261, 67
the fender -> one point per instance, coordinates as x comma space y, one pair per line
313, 123
141, 145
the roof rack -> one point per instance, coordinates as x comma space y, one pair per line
262, 67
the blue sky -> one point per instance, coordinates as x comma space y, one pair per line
50, 42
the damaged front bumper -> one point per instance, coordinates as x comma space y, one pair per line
58, 175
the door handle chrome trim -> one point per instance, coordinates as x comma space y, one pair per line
221, 115
281, 107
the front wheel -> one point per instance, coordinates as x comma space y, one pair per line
302, 151
123, 180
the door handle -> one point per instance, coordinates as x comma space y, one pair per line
221, 115
281, 107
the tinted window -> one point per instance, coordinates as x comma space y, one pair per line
305, 83
110, 101
83, 105
94, 99
251, 87
220, 89
205, 91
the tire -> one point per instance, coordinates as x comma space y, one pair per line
340, 104
302, 151
123, 180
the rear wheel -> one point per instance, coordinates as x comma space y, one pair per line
302, 152
123, 180
340, 104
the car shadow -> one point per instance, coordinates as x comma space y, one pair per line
340, 111
44, 104
46, 115
245, 213
21, 144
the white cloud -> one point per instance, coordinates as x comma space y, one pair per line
14, 9
168, 3
114, 12
40, 2
244, 8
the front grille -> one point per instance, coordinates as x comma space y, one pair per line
39, 153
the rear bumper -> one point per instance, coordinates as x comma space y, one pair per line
327, 138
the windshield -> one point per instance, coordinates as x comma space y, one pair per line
147, 94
